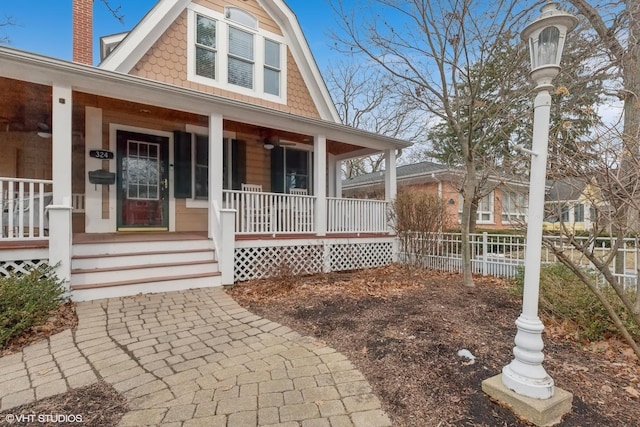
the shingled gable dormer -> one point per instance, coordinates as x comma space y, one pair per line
232, 51
250, 50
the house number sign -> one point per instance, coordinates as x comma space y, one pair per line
101, 154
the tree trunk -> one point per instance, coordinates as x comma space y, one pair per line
468, 192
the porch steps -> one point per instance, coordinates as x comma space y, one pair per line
112, 268
87, 262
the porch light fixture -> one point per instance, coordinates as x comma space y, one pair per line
546, 37
44, 131
268, 146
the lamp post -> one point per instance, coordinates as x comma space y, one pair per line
546, 36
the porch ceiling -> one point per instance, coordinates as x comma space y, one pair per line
24, 106
47, 71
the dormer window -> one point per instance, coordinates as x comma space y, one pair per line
240, 58
205, 47
271, 67
230, 51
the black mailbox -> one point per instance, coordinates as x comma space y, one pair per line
102, 176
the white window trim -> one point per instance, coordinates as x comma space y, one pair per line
222, 49
479, 213
514, 217
192, 202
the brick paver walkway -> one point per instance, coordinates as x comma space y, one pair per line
195, 358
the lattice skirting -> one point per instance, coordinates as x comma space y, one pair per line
20, 267
269, 261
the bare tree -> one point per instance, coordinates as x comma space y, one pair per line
115, 10
437, 53
6, 22
609, 164
365, 99
607, 198
616, 29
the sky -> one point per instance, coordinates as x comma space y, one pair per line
44, 26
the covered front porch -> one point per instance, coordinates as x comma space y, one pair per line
112, 153
257, 214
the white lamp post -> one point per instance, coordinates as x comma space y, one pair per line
546, 36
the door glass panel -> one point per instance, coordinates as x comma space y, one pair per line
142, 164
143, 190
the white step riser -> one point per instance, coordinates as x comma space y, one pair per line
145, 288
131, 247
90, 278
128, 259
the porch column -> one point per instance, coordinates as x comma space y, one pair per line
60, 209
390, 182
216, 136
331, 176
320, 183
338, 175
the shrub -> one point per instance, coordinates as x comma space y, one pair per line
565, 298
26, 300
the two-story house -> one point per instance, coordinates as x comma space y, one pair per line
203, 149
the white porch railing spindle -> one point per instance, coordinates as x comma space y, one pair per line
275, 213
356, 216
23, 203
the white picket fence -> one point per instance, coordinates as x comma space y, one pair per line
502, 254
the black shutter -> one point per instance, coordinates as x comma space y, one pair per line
182, 165
239, 160
277, 170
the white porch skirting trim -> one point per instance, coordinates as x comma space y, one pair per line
257, 259
20, 261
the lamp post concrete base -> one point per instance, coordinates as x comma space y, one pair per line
541, 412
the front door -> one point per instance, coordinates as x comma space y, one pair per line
143, 182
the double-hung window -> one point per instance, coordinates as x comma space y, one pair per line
514, 206
484, 212
241, 60
206, 47
271, 67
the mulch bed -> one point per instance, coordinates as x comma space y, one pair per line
403, 329
61, 319
98, 405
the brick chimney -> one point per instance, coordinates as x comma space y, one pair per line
83, 31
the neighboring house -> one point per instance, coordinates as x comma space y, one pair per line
203, 149
569, 204
503, 207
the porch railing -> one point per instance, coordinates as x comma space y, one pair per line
271, 213
356, 216
23, 204
275, 213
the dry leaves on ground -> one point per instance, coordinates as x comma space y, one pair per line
403, 328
